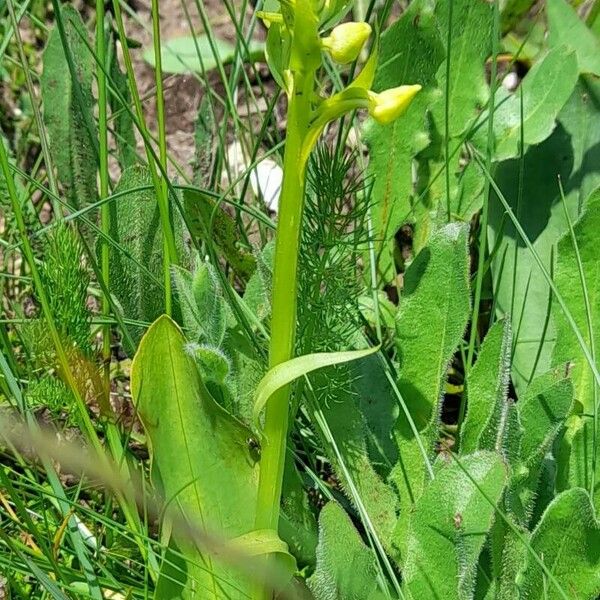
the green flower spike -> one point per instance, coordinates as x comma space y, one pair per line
294, 51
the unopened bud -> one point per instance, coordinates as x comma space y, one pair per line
388, 105
346, 41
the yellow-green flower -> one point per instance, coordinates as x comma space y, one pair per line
387, 106
346, 41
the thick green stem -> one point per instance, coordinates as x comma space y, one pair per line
285, 283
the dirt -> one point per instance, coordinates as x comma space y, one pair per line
182, 93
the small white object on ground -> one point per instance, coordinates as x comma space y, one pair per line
266, 179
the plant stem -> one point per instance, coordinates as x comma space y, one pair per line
162, 148
162, 199
103, 168
284, 301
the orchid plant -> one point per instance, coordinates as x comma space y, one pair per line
295, 47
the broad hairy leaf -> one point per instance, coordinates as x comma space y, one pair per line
486, 387
542, 412
568, 541
347, 440
410, 52
346, 568
463, 93
202, 460
449, 525
430, 323
570, 287
203, 308
68, 120
122, 120
212, 224
136, 249
571, 153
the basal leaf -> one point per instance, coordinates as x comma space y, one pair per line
136, 251
470, 41
578, 444
202, 460
566, 28
544, 91
464, 92
570, 153
449, 525
568, 541
346, 443
430, 323
122, 121
486, 387
410, 52
195, 54
66, 119
202, 211
203, 307
346, 568
570, 287
542, 413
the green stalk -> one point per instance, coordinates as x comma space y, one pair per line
163, 200
162, 149
486, 205
126, 501
284, 301
103, 168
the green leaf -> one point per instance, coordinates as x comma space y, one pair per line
470, 43
287, 372
568, 540
346, 568
463, 93
257, 294
544, 91
486, 387
297, 522
194, 54
570, 287
202, 212
520, 287
70, 144
203, 308
354, 445
410, 53
277, 52
136, 249
566, 28
449, 526
122, 121
542, 414
512, 11
430, 323
201, 459
578, 444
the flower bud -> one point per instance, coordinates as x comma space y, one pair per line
388, 105
346, 41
